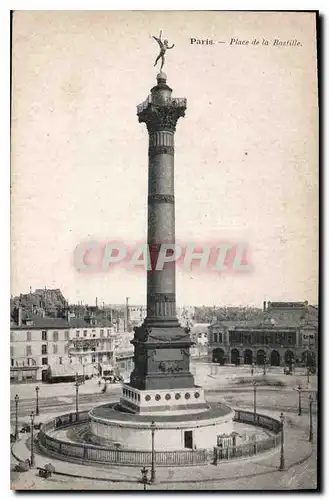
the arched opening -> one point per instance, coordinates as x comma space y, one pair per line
218, 356
235, 357
260, 359
275, 358
289, 357
247, 357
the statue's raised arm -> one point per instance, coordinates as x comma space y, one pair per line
163, 47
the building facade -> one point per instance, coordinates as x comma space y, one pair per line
46, 349
286, 333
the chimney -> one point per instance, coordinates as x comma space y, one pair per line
19, 320
127, 314
264, 305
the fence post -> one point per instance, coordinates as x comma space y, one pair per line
215, 457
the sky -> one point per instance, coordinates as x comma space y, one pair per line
246, 159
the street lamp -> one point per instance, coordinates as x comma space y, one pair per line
299, 389
153, 426
32, 440
37, 389
282, 442
144, 472
252, 368
308, 375
255, 411
264, 367
311, 423
16, 416
76, 398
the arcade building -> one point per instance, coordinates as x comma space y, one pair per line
286, 333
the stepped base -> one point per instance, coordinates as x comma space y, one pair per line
111, 424
163, 401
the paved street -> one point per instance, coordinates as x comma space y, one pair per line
60, 398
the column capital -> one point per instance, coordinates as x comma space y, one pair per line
162, 117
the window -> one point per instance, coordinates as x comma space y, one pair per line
93, 359
44, 349
12, 362
55, 348
311, 336
78, 334
67, 335
45, 361
28, 350
217, 338
12, 351
55, 336
108, 332
44, 335
28, 336
60, 360
200, 335
101, 333
85, 333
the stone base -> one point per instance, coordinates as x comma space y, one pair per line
110, 424
163, 401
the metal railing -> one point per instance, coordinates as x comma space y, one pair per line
92, 453
177, 102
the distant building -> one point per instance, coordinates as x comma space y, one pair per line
286, 332
43, 348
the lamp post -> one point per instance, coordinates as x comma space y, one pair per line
299, 389
282, 442
264, 367
252, 368
76, 398
37, 389
16, 416
255, 409
308, 375
152, 480
144, 472
311, 423
32, 440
